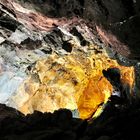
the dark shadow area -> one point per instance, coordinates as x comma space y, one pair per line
121, 93
67, 46
75, 32
7, 22
117, 122
56, 8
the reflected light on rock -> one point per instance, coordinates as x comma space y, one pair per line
74, 82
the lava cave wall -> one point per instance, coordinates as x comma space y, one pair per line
29, 36
117, 22
111, 19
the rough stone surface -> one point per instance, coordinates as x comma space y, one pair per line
50, 63
51, 57
118, 21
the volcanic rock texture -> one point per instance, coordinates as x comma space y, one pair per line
69, 54
51, 63
117, 22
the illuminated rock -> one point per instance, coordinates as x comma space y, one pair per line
55, 63
74, 82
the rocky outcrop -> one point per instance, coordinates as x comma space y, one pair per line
117, 22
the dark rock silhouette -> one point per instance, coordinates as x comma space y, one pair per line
122, 94
114, 123
113, 75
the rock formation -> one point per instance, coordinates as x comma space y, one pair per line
117, 22
76, 55
47, 63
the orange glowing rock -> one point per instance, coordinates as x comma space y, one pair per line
99, 90
74, 81
94, 94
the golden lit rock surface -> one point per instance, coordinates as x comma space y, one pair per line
73, 81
